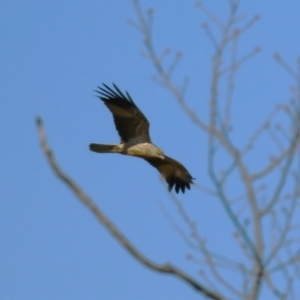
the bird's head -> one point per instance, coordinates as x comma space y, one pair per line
148, 150
159, 153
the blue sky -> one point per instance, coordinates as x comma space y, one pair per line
53, 55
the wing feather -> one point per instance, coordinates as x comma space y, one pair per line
174, 172
130, 122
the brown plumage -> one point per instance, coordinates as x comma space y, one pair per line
133, 128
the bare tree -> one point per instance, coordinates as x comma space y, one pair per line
263, 216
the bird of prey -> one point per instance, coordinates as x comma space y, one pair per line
133, 129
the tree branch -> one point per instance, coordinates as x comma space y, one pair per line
108, 224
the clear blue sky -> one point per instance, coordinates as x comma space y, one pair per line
53, 54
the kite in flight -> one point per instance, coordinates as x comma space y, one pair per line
133, 129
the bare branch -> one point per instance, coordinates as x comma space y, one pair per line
285, 65
108, 224
211, 16
283, 232
284, 173
253, 205
162, 72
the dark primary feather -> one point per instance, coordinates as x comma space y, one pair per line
129, 120
175, 173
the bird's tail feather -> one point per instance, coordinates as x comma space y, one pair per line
105, 148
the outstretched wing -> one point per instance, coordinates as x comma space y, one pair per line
174, 173
129, 120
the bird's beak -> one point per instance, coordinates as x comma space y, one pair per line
162, 156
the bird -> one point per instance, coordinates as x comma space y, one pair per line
133, 129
